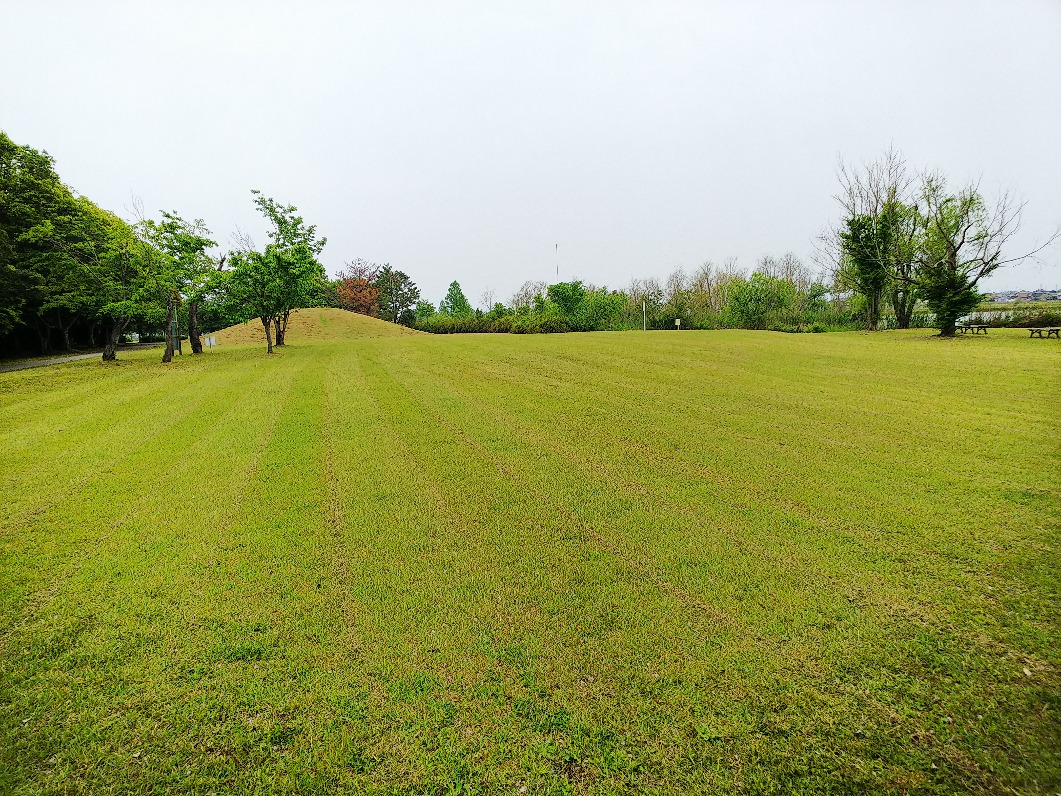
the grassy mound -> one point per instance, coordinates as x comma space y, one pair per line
317, 323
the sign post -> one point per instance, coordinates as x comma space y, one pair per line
678, 324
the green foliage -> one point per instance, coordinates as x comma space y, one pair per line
758, 302
288, 229
63, 260
1046, 314
566, 306
866, 243
598, 310
455, 304
762, 302
499, 311
567, 296
948, 294
424, 310
508, 322
217, 311
292, 255
877, 253
929, 244
398, 296
252, 285
962, 244
272, 283
30, 193
440, 323
187, 265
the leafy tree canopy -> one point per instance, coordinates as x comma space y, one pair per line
398, 295
455, 303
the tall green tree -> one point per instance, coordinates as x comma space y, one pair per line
962, 244
398, 295
252, 283
63, 259
294, 249
567, 296
66, 287
455, 304
43, 229
865, 265
906, 233
271, 284
29, 186
125, 272
874, 250
184, 272
756, 302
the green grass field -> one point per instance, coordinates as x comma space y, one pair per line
588, 563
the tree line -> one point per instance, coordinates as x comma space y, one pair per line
75, 275
906, 251
780, 293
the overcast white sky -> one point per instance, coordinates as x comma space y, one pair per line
463, 140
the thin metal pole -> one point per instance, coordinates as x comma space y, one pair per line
644, 317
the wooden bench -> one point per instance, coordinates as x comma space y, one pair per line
1037, 331
975, 328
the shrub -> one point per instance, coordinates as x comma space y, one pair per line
1018, 317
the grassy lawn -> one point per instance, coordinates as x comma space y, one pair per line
584, 563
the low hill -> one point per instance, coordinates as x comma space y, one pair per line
318, 323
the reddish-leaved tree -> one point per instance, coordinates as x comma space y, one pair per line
355, 289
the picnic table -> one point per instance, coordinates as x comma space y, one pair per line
975, 328
1037, 331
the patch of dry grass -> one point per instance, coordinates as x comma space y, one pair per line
315, 324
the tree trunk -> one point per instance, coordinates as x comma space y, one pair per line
947, 326
873, 310
44, 333
63, 330
268, 324
193, 327
279, 331
167, 355
281, 327
903, 301
110, 350
66, 330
